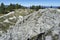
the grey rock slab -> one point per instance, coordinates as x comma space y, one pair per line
30, 25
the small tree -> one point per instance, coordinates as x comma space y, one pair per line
2, 8
36, 7
17, 6
32, 7
11, 7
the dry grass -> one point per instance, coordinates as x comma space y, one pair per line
4, 26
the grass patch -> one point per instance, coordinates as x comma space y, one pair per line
1, 14
2, 19
4, 26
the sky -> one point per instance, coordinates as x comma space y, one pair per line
32, 2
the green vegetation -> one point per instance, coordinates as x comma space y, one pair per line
23, 12
11, 7
2, 19
4, 26
7, 8
2, 8
19, 10
36, 7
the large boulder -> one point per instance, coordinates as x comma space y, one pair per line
39, 25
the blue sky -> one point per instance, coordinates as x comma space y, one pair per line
32, 2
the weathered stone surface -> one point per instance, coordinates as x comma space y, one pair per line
41, 25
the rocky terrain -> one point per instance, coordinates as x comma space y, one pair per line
30, 25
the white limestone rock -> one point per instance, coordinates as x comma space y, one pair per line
33, 24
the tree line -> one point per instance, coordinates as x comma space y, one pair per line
36, 7
7, 8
